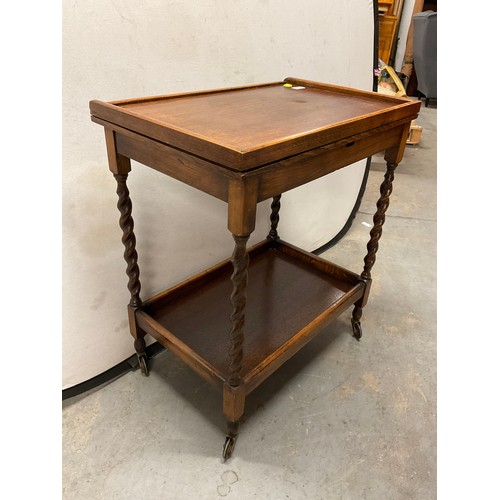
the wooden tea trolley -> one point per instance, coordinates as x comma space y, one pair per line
237, 322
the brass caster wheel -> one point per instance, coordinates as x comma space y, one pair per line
229, 447
143, 363
356, 330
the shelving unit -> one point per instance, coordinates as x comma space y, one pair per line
389, 16
237, 322
289, 296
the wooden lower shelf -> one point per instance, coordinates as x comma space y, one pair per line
291, 294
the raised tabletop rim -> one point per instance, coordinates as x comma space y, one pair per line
244, 159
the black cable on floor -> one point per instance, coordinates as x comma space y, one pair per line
116, 371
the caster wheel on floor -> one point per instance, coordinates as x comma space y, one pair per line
356, 330
229, 447
143, 363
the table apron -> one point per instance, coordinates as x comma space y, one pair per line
196, 172
272, 179
290, 173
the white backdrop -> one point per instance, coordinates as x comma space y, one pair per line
117, 49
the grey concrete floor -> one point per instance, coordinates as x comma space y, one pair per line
342, 419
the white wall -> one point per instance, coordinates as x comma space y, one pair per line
120, 49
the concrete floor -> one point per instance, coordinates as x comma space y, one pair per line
340, 420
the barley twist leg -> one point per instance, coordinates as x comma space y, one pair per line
233, 396
372, 246
275, 208
239, 280
130, 254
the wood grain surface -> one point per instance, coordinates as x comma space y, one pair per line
287, 290
247, 127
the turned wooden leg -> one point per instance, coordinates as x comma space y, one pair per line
239, 280
233, 397
275, 209
242, 208
130, 255
372, 246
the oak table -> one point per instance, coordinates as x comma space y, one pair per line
237, 322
